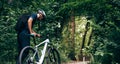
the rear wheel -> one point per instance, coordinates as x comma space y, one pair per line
53, 56
27, 56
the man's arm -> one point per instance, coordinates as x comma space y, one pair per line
30, 20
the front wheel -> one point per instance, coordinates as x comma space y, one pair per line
27, 56
53, 56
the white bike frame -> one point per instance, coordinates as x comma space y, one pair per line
45, 42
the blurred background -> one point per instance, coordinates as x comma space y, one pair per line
88, 29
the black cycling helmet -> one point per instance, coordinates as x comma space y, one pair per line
43, 13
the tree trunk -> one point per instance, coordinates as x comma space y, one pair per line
89, 41
72, 43
83, 41
84, 36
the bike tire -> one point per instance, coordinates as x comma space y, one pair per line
53, 56
26, 55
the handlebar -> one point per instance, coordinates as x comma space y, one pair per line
32, 35
47, 36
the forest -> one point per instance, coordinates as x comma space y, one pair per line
78, 28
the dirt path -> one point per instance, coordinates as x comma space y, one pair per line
77, 62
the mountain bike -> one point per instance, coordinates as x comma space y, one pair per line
42, 53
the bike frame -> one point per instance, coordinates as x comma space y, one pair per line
45, 42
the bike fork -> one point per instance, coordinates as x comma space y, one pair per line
43, 54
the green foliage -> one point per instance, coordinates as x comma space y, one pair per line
104, 14
8, 36
105, 25
9, 13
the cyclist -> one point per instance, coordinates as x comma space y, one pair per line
22, 37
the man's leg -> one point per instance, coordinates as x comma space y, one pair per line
25, 42
18, 49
